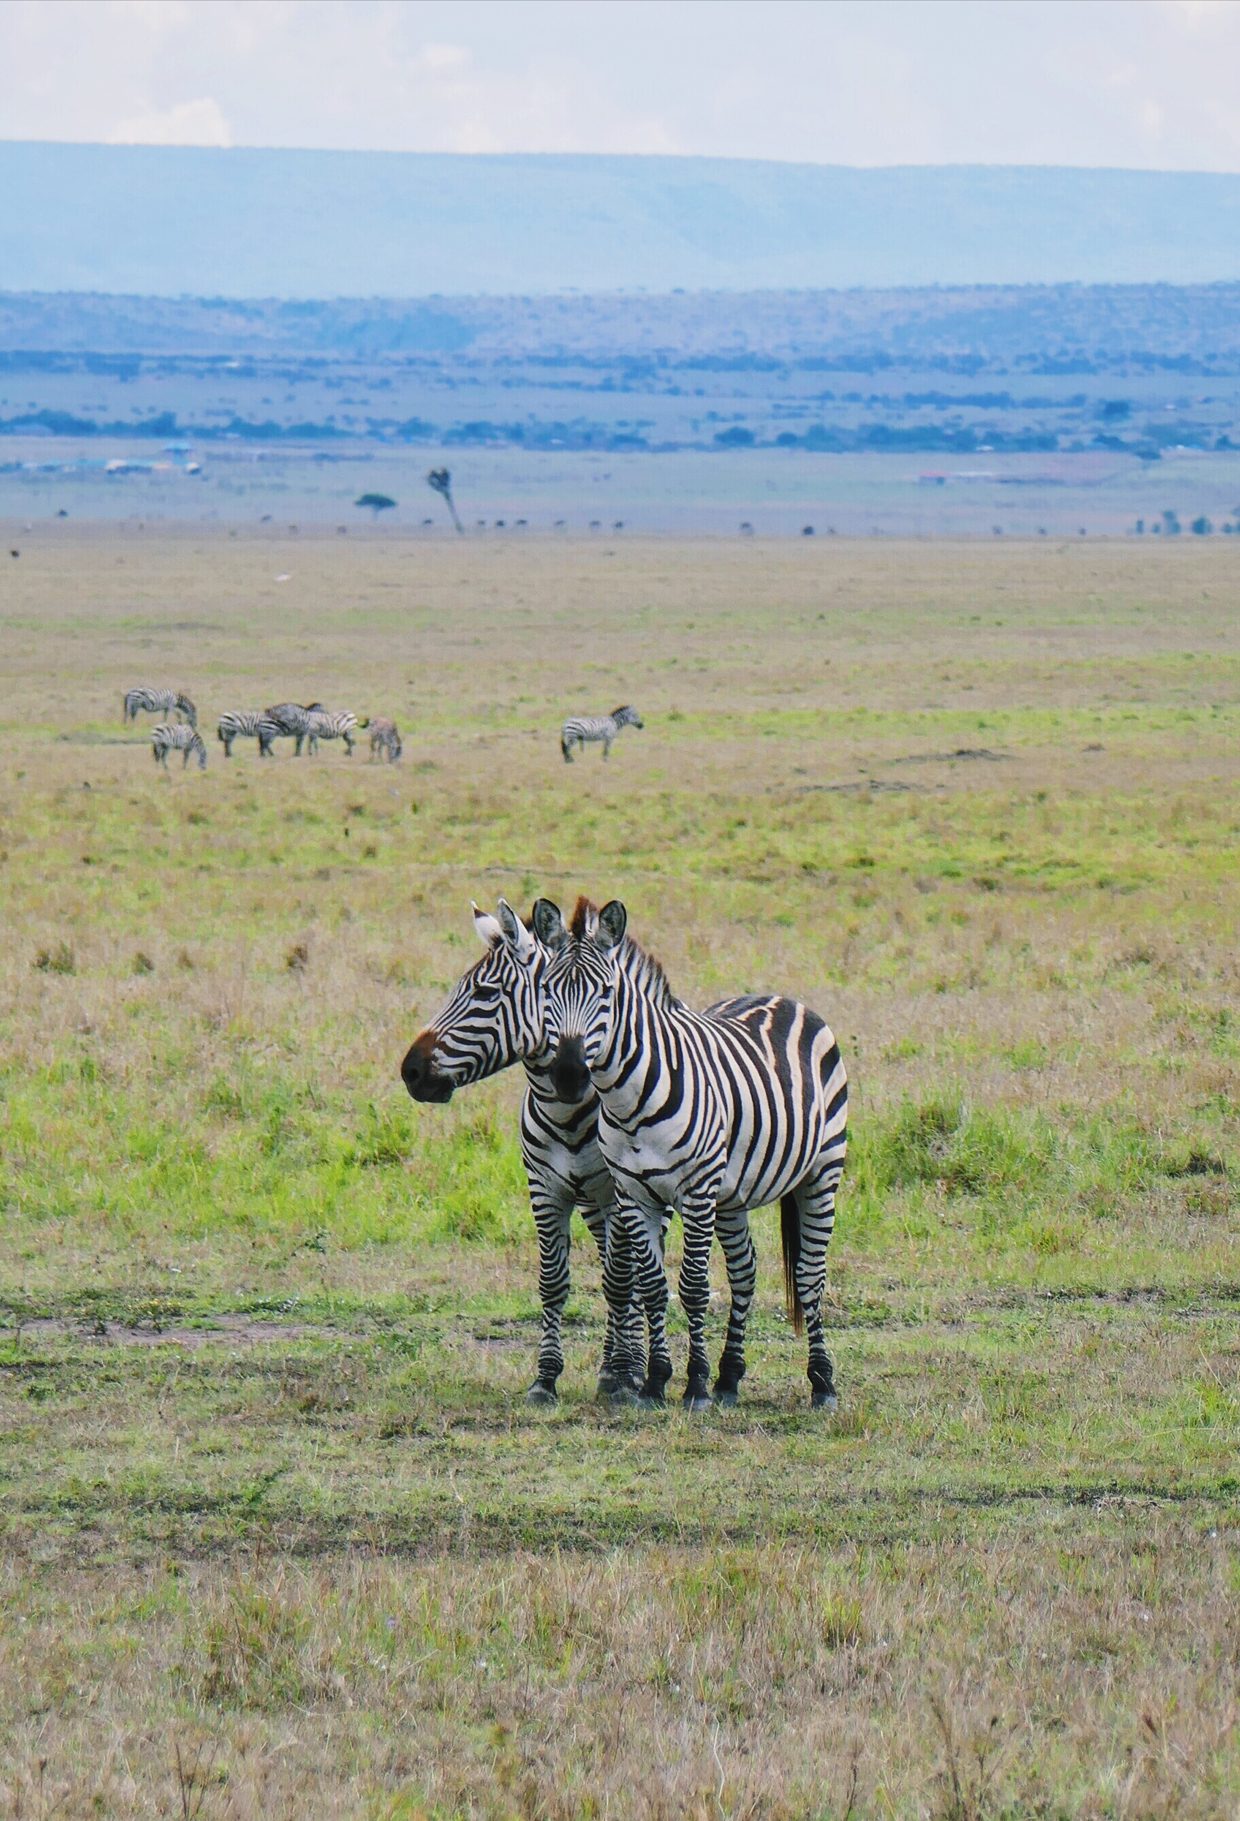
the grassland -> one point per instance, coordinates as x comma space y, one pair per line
280, 1536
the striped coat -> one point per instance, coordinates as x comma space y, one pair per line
491, 1020
582, 728
714, 1114
179, 737
159, 701
247, 724
320, 725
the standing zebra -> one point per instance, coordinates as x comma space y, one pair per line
320, 725
385, 738
492, 1019
582, 728
159, 701
714, 1114
248, 723
178, 738
290, 719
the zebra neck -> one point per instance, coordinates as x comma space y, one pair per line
639, 1026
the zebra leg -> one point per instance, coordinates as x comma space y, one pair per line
815, 1200
699, 1225
624, 1308
606, 748
608, 1384
639, 1235
737, 1242
348, 746
551, 1219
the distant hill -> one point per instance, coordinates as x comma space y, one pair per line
249, 223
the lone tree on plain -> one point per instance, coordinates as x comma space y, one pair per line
440, 481
378, 502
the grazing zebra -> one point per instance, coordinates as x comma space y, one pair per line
715, 1114
159, 701
178, 738
290, 719
582, 728
385, 738
492, 1019
248, 723
320, 725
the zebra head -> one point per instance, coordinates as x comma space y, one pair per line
578, 987
627, 717
493, 1016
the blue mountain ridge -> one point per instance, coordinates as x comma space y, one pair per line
167, 221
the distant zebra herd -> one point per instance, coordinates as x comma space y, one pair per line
304, 723
636, 1106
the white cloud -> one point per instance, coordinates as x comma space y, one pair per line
201, 122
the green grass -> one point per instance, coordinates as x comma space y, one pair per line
281, 1536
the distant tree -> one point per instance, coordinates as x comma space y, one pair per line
1171, 523
378, 502
439, 480
807, 531
1201, 527
735, 438
1140, 527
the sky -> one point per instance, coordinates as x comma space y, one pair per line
1145, 84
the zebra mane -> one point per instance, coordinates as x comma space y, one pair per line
624, 706
636, 963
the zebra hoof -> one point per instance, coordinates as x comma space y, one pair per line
823, 1400
652, 1399
697, 1395
727, 1400
624, 1397
542, 1393
608, 1385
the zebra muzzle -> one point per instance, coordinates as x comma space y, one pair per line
570, 1076
420, 1076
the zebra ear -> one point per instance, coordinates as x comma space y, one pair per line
549, 924
613, 920
516, 935
489, 931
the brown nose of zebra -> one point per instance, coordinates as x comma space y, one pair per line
417, 1071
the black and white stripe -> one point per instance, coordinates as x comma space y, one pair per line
178, 737
248, 724
581, 729
159, 701
320, 725
714, 1114
492, 1019
385, 739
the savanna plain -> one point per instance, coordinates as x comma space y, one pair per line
280, 1536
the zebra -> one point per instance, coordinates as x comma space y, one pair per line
714, 1113
181, 738
290, 720
385, 738
159, 701
581, 728
492, 1019
320, 725
250, 723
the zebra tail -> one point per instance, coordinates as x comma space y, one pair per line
790, 1233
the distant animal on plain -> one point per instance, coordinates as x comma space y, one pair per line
159, 701
385, 739
251, 724
178, 737
320, 725
581, 729
290, 719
